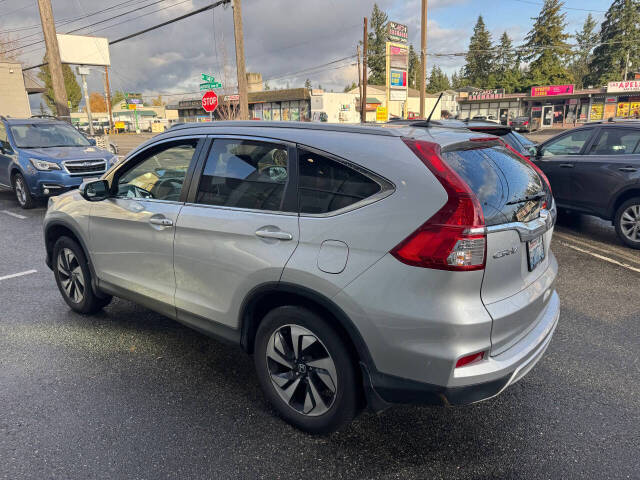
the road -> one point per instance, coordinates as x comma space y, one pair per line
131, 394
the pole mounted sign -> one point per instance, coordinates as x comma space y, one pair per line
397, 32
209, 82
210, 101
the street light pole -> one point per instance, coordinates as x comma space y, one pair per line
83, 72
240, 66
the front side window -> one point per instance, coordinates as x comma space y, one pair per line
571, 144
326, 185
4, 141
160, 174
47, 135
617, 141
245, 174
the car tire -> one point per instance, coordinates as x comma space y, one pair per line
318, 377
73, 278
21, 190
627, 222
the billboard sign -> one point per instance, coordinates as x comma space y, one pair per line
398, 78
551, 90
397, 95
622, 87
84, 50
381, 114
398, 56
397, 32
486, 94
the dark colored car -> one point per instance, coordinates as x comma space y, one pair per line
519, 143
595, 169
521, 124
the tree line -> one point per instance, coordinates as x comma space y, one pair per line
590, 56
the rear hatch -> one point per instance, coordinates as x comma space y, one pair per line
515, 202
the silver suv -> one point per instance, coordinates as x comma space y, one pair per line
359, 265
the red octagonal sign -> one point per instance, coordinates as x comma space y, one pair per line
210, 101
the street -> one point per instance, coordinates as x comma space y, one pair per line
129, 393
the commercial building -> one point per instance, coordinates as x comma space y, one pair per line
15, 88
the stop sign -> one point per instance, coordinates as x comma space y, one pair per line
210, 101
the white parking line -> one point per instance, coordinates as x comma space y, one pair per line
21, 217
570, 238
14, 275
601, 257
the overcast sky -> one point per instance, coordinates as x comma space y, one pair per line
285, 40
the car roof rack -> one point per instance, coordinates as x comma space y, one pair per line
328, 127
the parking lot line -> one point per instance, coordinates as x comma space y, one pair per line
21, 217
20, 274
583, 243
601, 257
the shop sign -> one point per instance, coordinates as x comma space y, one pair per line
371, 107
397, 32
611, 99
397, 95
597, 110
398, 56
536, 109
381, 114
551, 90
398, 78
621, 87
487, 94
623, 110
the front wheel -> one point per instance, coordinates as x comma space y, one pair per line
305, 370
627, 222
23, 195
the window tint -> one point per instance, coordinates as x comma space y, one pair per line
617, 141
567, 145
160, 175
245, 174
326, 185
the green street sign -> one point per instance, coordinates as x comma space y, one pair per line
208, 78
210, 86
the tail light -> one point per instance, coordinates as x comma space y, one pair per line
469, 359
526, 122
454, 238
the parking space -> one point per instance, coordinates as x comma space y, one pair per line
129, 393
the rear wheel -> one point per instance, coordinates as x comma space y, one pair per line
627, 222
73, 277
23, 195
305, 370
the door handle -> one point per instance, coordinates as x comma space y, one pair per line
566, 165
628, 169
163, 222
277, 234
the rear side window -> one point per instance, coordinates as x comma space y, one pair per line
245, 174
617, 141
326, 185
570, 144
501, 181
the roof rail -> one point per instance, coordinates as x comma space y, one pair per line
327, 127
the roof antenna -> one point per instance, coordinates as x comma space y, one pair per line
434, 107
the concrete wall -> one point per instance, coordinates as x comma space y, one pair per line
339, 107
14, 100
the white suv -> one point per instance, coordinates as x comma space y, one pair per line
359, 265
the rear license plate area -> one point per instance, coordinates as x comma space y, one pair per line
535, 252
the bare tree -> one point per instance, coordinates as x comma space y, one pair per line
227, 109
9, 48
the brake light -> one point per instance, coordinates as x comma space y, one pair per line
526, 122
454, 238
475, 357
533, 165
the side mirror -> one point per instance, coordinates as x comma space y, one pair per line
92, 141
95, 190
534, 150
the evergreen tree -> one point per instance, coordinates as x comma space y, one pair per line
619, 35
507, 73
479, 59
414, 68
307, 84
438, 80
117, 97
74, 94
350, 87
587, 39
546, 46
376, 53
458, 79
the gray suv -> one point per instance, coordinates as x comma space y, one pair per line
359, 265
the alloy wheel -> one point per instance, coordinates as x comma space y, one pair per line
71, 276
302, 370
630, 223
21, 192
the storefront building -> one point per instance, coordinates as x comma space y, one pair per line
493, 105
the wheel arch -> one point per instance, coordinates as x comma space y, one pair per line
623, 197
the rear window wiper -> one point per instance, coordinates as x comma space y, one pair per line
535, 196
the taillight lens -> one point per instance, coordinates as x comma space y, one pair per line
469, 359
453, 238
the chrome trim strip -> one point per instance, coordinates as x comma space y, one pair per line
94, 162
529, 230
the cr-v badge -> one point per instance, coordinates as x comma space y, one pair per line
504, 253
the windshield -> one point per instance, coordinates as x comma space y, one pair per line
46, 135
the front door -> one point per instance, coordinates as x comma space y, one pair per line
547, 116
5, 156
132, 233
237, 231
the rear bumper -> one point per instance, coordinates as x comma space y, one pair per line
503, 370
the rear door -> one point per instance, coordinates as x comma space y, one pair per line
557, 159
519, 229
237, 230
611, 164
5, 156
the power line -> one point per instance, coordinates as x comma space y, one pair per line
564, 7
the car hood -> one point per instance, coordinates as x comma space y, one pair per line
59, 154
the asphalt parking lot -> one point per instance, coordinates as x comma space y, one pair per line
131, 394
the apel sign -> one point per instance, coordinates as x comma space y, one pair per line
551, 90
626, 86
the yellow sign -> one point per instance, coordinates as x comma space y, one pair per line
597, 109
635, 110
381, 114
157, 127
132, 106
119, 125
623, 110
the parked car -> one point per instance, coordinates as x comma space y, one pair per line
490, 118
40, 157
519, 143
358, 264
595, 169
521, 124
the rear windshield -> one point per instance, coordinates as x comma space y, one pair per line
506, 185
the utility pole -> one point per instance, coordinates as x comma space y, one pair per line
242, 76
363, 98
83, 72
423, 56
360, 85
53, 59
107, 95
626, 65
